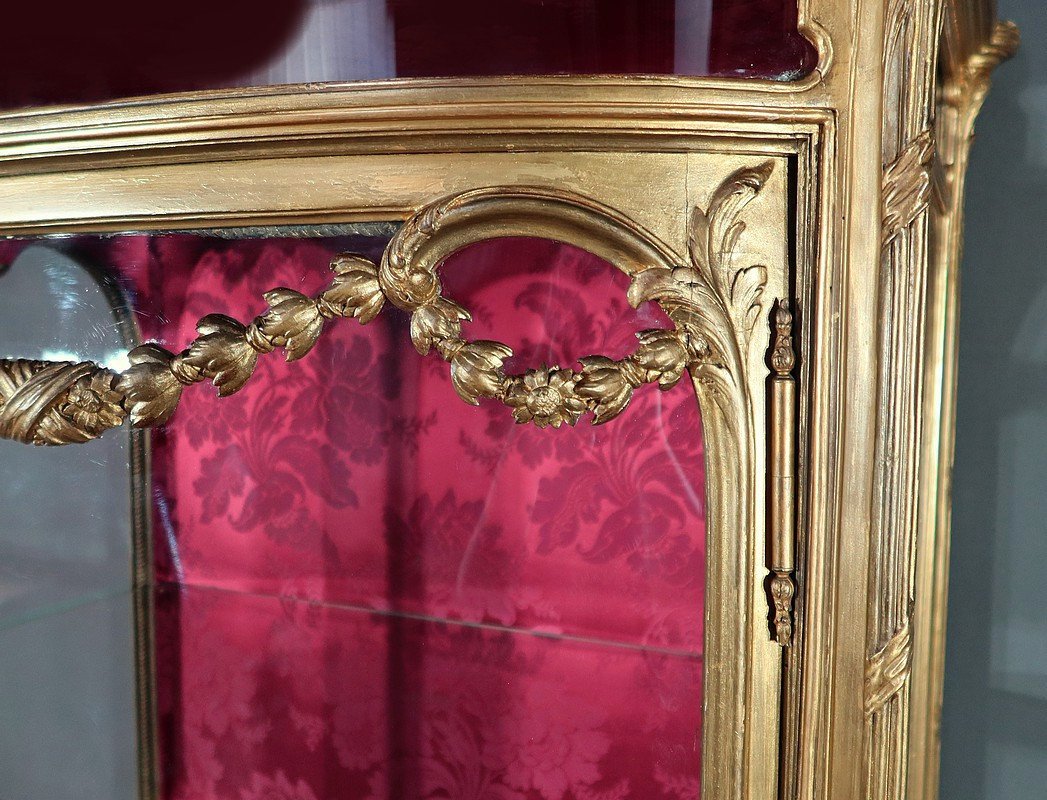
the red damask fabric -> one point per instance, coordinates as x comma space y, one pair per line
370, 589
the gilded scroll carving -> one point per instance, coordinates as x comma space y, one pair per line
1002, 44
713, 304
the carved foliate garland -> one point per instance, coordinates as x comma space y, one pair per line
714, 306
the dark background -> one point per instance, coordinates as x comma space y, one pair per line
994, 727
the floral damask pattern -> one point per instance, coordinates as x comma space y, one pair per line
330, 706
370, 589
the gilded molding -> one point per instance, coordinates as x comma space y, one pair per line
888, 670
907, 185
184, 162
714, 306
907, 149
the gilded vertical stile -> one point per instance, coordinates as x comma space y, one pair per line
965, 81
907, 145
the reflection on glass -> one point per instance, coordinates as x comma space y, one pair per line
369, 589
66, 631
123, 49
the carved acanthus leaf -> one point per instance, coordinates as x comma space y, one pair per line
713, 240
695, 308
746, 293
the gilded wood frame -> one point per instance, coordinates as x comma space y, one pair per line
874, 369
743, 662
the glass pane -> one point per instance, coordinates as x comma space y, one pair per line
123, 49
66, 629
323, 701
367, 588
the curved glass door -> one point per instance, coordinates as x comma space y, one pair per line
366, 588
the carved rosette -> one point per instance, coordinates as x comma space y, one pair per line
713, 305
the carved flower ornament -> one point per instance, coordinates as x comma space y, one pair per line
93, 405
546, 396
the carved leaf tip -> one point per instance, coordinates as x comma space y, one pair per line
607, 385
355, 290
746, 290
754, 178
713, 234
655, 283
150, 388
437, 321
477, 370
293, 322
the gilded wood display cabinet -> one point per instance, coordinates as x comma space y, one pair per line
575, 409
